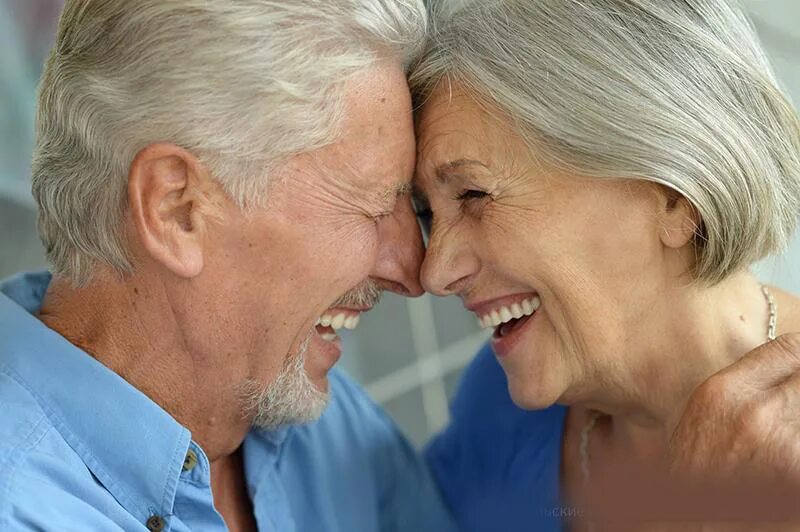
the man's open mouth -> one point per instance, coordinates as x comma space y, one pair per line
335, 319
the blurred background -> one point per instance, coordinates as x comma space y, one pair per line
408, 353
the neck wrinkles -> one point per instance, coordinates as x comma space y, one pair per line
132, 329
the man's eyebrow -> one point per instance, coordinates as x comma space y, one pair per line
395, 190
446, 171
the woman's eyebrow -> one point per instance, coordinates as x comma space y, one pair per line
447, 171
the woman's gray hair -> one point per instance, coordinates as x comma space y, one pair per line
677, 92
243, 85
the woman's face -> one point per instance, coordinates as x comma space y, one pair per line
508, 236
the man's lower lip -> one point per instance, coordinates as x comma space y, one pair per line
504, 345
332, 348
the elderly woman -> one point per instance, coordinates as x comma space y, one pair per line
600, 174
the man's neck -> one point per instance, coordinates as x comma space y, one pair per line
130, 328
231, 497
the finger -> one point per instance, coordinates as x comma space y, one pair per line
790, 391
768, 365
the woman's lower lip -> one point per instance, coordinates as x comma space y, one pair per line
504, 345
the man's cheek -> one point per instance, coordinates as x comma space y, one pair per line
354, 241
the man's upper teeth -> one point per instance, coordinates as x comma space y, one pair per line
504, 314
337, 321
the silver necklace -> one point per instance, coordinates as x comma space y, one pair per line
773, 313
583, 447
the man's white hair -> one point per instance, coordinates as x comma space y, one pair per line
243, 85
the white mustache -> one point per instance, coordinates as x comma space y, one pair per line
367, 295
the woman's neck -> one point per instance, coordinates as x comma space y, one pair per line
700, 332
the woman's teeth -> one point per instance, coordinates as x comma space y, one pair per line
505, 314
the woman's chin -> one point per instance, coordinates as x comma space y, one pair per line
535, 382
537, 395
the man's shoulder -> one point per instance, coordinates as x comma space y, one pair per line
24, 422
36, 463
26, 288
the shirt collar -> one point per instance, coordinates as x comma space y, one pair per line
133, 447
273, 437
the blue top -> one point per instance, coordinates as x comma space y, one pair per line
81, 449
496, 464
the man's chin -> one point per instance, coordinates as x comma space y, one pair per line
295, 409
293, 397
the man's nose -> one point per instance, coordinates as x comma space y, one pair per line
400, 251
449, 263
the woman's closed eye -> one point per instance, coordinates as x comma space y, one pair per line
472, 194
473, 201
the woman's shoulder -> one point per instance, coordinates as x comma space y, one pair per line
495, 463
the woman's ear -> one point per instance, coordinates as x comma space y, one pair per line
679, 220
167, 198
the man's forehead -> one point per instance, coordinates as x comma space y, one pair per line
364, 177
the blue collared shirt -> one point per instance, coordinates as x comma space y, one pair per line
82, 449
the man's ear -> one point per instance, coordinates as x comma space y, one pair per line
680, 220
169, 202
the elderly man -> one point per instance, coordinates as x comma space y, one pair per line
222, 186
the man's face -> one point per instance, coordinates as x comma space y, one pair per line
337, 229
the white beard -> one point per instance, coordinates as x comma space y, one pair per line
290, 399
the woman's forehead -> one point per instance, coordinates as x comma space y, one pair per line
449, 131
463, 139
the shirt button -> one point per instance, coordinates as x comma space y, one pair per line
155, 523
190, 461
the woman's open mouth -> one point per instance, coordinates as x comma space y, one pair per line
504, 329
507, 319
